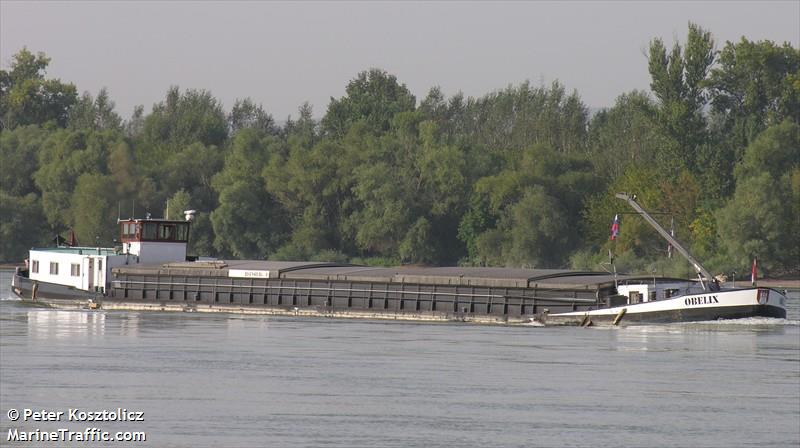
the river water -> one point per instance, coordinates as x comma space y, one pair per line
251, 381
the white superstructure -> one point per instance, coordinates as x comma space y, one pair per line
144, 241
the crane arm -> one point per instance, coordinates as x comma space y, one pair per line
677, 245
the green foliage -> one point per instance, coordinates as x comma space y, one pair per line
754, 87
21, 226
761, 220
248, 222
532, 227
635, 236
177, 204
375, 97
94, 210
677, 82
63, 158
247, 115
626, 135
182, 119
18, 157
94, 113
26, 97
522, 176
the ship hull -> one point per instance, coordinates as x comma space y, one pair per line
726, 304
733, 304
62, 297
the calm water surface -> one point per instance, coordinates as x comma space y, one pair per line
249, 381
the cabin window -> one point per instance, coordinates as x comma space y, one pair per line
129, 230
53, 268
166, 232
35, 266
75, 270
100, 265
150, 231
183, 232
651, 296
670, 292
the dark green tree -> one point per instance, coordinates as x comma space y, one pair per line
247, 115
94, 210
248, 223
755, 85
678, 80
22, 226
373, 96
19, 149
762, 218
94, 113
26, 97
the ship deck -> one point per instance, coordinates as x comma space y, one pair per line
326, 271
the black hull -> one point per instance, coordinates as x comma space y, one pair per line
23, 287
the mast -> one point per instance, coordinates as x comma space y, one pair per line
696, 264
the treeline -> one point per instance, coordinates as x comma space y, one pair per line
523, 176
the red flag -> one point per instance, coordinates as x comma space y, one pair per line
753, 273
615, 228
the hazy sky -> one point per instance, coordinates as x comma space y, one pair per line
282, 54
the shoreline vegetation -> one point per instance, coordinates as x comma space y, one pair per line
523, 176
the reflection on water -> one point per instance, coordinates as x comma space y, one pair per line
210, 380
58, 324
696, 335
129, 324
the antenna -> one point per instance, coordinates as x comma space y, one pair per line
119, 210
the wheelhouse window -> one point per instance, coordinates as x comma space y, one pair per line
156, 230
35, 266
75, 270
129, 230
182, 232
150, 231
166, 232
53, 268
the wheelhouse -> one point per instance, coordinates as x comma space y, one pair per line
153, 230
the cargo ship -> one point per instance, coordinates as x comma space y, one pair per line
150, 270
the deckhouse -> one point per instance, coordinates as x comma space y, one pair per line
142, 241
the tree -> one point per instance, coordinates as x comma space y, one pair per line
19, 149
535, 179
95, 114
536, 227
94, 210
26, 97
763, 216
247, 115
373, 96
249, 222
753, 88
678, 80
22, 226
179, 121
64, 157
626, 135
